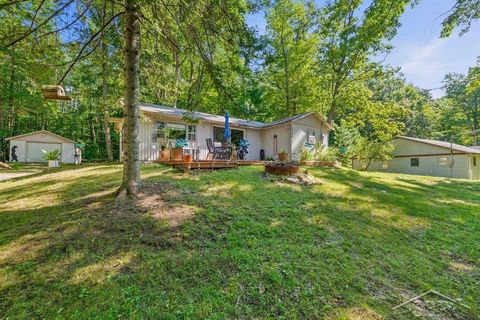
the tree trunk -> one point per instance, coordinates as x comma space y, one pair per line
131, 163
368, 164
475, 124
177, 76
104, 103
108, 140
11, 102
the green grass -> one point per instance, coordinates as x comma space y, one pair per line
228, 244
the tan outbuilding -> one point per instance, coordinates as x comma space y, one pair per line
31, 147
429, 158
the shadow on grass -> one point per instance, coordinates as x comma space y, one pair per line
223, 244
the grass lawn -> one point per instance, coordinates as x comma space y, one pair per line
228, 244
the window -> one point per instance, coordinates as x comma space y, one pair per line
443, 161
191, 134
275, 144
218, 136
414, 162
170, 130
474, 161
160, 128
384, 164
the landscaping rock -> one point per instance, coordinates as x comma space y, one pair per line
303, 179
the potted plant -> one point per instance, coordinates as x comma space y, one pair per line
305, 155
282, 155
177, 152
187, 158
164, 151
52, 157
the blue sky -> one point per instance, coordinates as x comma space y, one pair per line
424, 58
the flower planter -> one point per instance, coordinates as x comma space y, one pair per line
281, 170
283, 156
176, 154
165, 155
53, 163
187, 158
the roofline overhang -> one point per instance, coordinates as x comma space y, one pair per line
435, 145
39, 131
264, 126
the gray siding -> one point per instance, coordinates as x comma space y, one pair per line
430, 163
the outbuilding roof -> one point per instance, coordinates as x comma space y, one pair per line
443, 144
175, 112
37, 132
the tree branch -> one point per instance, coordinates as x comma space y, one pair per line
79, 55
29, 32
70, 24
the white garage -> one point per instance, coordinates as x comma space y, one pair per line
31, 147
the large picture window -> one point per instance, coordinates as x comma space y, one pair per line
218, 135
175, 131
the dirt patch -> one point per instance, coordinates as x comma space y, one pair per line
7, 175
160, 201
355, 313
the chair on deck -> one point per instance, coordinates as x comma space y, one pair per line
218, 152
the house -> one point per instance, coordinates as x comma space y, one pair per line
430, 158
160, 122
31, 147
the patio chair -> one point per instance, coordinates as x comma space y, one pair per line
218, 152
211, 149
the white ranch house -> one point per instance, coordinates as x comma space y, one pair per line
160, 122
429, 158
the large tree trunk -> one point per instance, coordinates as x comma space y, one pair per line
131, 163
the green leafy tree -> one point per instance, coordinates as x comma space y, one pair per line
289, 80
464, 93
462, 14
349, 36
367, 131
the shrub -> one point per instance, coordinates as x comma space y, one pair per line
305, 154
52, 155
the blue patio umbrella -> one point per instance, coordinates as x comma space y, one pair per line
227, 133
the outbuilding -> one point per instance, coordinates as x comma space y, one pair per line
430, 158
31, 147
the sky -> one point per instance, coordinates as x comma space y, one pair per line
423, 57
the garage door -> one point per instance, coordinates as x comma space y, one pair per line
35, 150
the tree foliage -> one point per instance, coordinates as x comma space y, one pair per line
461, 15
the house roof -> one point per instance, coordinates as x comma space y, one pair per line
296, 117
443, 144
175, 112
37, 132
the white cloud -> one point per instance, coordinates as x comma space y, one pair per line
426, 60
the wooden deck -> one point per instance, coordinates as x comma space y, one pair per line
210, 164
